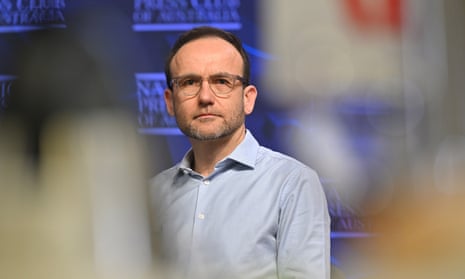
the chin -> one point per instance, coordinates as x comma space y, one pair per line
204, 136
207, 137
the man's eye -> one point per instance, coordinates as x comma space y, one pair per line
222, 81
187, 82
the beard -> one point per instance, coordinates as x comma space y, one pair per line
222, 130
225, 129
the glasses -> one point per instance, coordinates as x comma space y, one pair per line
220, 84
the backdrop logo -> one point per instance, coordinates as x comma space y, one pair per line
153, 117
25, 15
164, 15
6, 81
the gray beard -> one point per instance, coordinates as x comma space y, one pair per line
197, 135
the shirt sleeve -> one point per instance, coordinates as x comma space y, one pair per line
304, 228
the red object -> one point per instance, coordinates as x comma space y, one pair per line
375, 14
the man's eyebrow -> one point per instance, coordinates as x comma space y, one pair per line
222, 74
188, 75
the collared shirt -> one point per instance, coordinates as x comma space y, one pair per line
260, 214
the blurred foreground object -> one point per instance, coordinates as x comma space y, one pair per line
376, 87
72, 167
416, 237
82, 213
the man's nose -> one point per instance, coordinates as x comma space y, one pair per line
205, 93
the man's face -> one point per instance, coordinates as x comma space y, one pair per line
206, 116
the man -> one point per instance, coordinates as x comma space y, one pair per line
232, 208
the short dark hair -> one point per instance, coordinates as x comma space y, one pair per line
202, 32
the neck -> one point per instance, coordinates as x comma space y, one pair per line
208, 153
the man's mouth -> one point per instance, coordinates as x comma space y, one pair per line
205, 115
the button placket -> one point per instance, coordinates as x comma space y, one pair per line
200, 211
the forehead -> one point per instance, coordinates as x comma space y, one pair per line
206, 56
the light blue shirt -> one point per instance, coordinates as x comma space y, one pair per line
260, 214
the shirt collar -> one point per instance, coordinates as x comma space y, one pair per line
245, 153
185, 163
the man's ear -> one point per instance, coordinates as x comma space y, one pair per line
169, 101
250, 95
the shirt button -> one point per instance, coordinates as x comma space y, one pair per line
206, 182
201, 216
